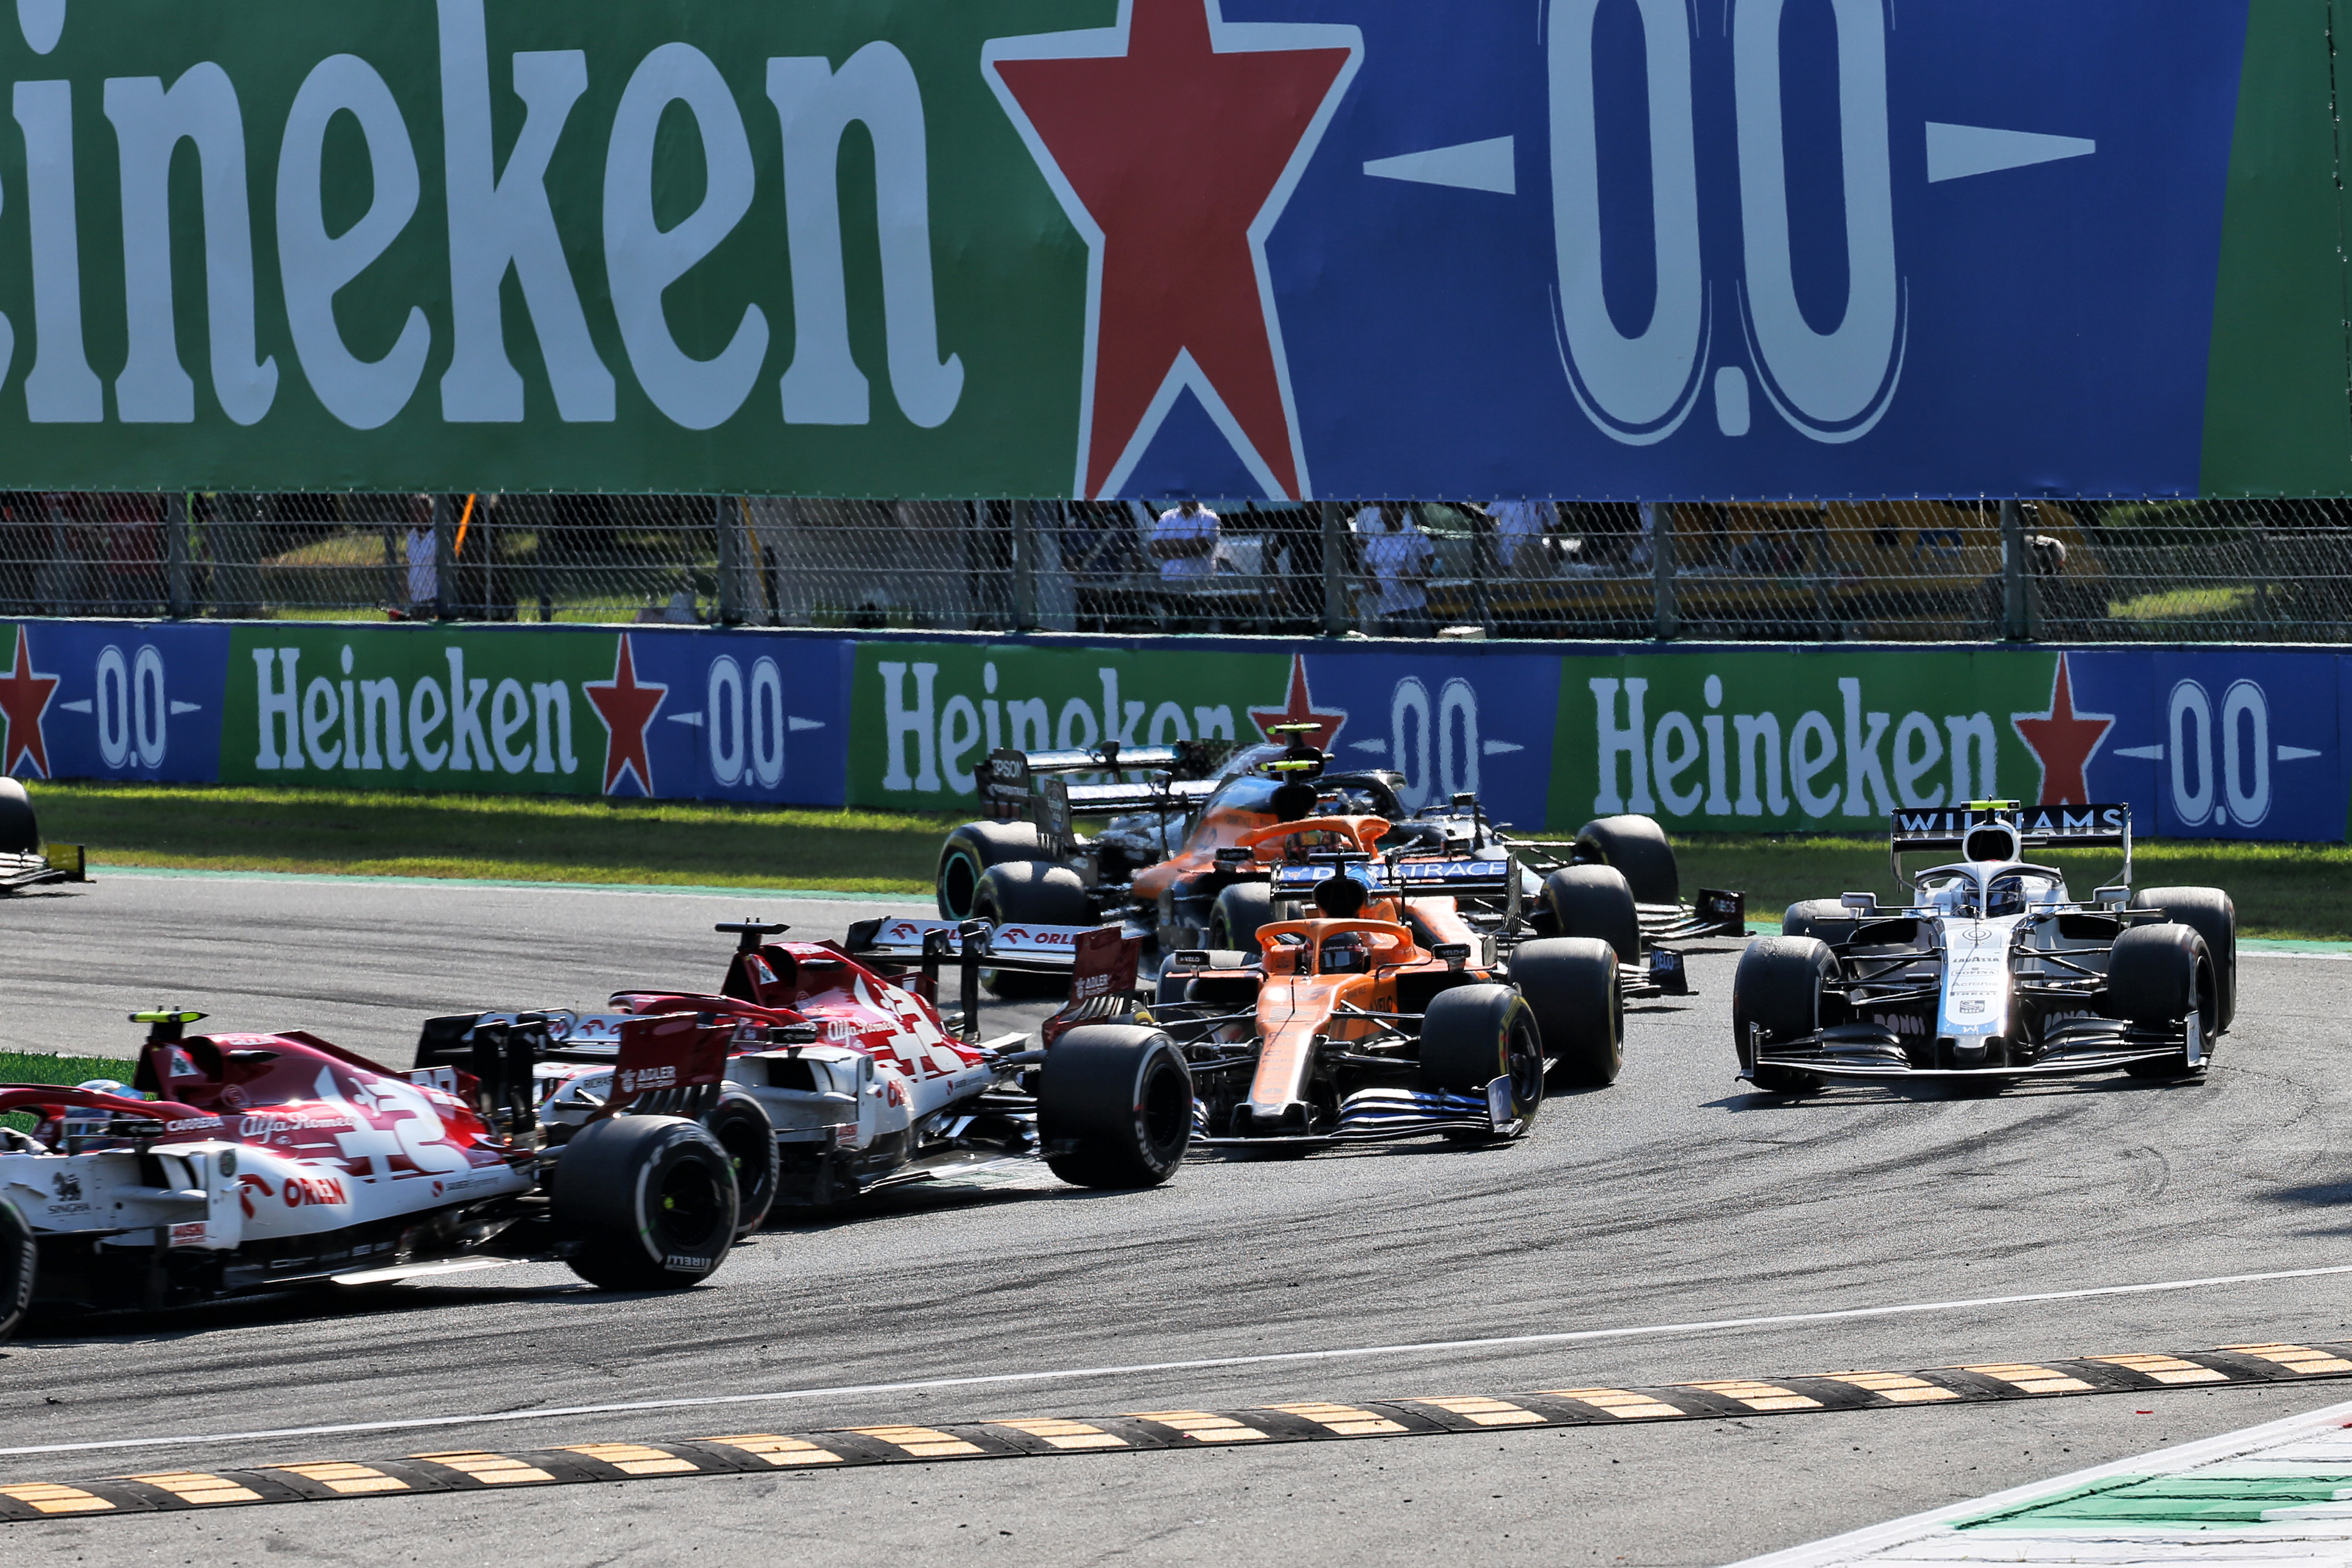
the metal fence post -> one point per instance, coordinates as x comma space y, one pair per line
1334, 569
1025, 565
2015, 619
444, 558
730, 561
175, 554
1666, 618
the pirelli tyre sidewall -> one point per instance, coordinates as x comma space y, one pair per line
1472, 1035
1828, 919
1595, 902
1574, 986
968, 854
741, 1126
20, 833
644, 1203
1637, 846
2209, 912
1114, 1106
1241, 909
1778, 989
20, 1264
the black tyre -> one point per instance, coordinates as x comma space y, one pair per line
741, 1126
644, 1203
2161, 975
19, 834
20, 1266
1824, 919
1637, 846
1572, 985
971, 850
1241, 909
1034, 893
2210, 913
1595, 902
1778, 988
1114, 1106
1472, 1035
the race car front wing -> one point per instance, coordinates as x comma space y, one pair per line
1385, 1116
1857, 1052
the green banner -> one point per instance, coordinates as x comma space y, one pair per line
436, 709
1739, 740
470, 246
923, 716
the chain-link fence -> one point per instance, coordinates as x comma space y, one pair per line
1905, 571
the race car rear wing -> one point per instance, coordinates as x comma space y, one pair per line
1009, 778
2062, 826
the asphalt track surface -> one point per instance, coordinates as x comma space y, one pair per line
1675, 1197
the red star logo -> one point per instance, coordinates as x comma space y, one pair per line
626, 706
2063, 741
1298, 707
24, 700
1175, 139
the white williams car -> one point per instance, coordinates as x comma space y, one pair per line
1992, 971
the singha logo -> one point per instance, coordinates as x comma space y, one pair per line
68, 1185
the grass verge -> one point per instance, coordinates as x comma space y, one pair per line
529, 838
40, 1067
2289, 890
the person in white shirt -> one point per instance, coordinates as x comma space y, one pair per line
423, 569
1184, 542
1520, 530
1398, 555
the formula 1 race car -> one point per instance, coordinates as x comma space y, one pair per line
241, 1162
1413, 999
25, 860
1188, 884
1990, 972
848, 1076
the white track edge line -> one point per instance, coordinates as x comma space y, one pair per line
1856, 1543
1210, 1363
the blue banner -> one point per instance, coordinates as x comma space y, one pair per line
112, 699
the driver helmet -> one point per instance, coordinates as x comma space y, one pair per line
2006, 896
1345, 952
90, 1121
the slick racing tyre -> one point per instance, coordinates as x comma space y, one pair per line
1242, 908
2161, 976
20, 1264
1034, 893
1472, 1035
1114, 1106
971, 850
741, 1126
2209, 912
1827, 920
1572, 983
1778, 988
1637, 846
1595, 902
19, 834
644, 1203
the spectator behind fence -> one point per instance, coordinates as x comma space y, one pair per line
424, 567
1520, 529
1184, 541
1398, 555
